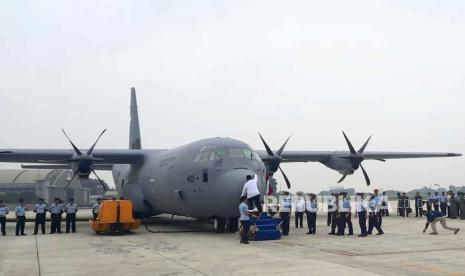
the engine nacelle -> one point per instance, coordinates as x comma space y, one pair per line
82, 168
341, 165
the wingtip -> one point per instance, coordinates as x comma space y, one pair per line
454, 154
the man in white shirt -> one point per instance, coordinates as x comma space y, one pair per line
331, 209
299, 211
251, 191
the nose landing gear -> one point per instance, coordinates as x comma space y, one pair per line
221, 224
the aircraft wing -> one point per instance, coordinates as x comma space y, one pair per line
60, 156
319, 156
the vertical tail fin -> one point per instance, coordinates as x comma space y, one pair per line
134, 130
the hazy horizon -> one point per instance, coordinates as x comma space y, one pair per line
394, 69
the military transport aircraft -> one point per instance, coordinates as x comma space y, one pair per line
202, 179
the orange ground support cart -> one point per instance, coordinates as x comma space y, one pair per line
115, 217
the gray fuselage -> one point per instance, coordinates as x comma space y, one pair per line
203, 179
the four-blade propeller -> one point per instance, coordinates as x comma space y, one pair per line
356, 158
84, 161
273, 160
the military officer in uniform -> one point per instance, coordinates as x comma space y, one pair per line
362, 214
335, 216
311, 207
378, 198
56, 209
3, 212
299, 211
40, 209
345, 216
20, 212
372, 216
71, 210
285, 212
418, 205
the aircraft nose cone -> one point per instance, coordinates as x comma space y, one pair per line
229, 188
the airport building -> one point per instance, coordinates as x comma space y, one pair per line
47, 184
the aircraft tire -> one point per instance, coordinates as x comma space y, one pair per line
233, 225
219, 224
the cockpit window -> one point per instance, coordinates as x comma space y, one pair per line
210, 153
256, 156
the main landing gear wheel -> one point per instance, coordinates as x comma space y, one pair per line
233, 225
219, 224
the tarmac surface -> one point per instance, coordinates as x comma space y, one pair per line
403, 250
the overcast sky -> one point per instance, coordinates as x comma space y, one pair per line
394, 69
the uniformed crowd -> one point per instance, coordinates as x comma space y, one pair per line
339, 213
369, 210
450, 204
56, 210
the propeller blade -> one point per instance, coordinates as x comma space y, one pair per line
351, 148
281, 149
367, 179
342, 179
288, 183
268, 150
100, 180
382, 160
362, 149
69, 183
89, 152
72, 144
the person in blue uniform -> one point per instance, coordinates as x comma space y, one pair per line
436, 199
379, 199
3, 212
429, 201
244, 219
362, 214
433, 217
20, 212
335, 216
285, 212
344, 215
418, 205
56, 209
342, 212
443, 203
372, 217
311, 207
299, 211
40, 209
71, 209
